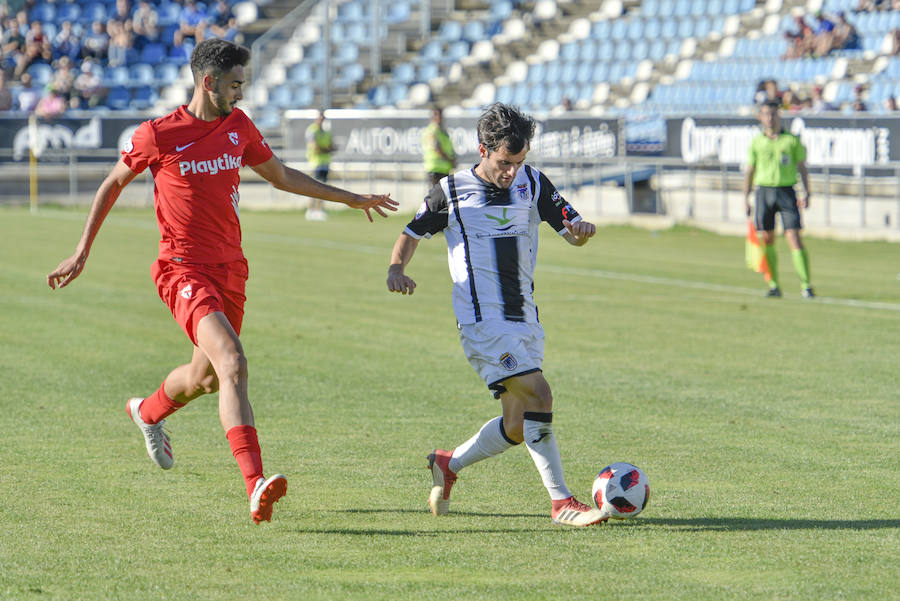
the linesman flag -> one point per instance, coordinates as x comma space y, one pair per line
754, 253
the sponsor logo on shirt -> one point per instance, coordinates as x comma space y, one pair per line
226, 162
556, 198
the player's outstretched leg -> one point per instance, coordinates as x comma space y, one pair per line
159, 448
443, 480
267, 492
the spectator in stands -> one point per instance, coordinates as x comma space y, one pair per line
801, 39
6, 99
12, 44
872, 5
192, 17
122, 12
121, 43
319, 147
766, 90
223, 23
437, 148
67, 42
790, 102
37, 49
845, 36
180, 51
146, 24
890, 104
95, 44
824, 35
63, 80
859, 104
819, 104
89, 90
28, 95
52, 105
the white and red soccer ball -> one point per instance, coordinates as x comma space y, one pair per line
621, 490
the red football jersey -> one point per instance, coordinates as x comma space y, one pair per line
195, 166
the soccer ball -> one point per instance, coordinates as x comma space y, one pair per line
621, 490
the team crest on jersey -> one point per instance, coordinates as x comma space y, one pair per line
522, 191
556, 198
129, 146
185, 292
508, 361
232, 135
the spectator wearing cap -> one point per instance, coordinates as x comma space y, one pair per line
88, 87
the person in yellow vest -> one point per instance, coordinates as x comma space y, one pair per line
437, 148
319, 147
774, 160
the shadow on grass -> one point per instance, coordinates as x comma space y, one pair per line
739, 524
460, 513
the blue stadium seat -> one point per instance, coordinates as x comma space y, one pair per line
141, 74
450, 31
116, 77
536, 73
143, 98
41, 73
601, 30
652, 29
601, 73
302, 73
635, 29
166, 73
457, 51
569, 51
347, 53
118, 98
397, 12
350, 75
587, 50
282, 96
68, 11
428, 71
169, 13
503, 94
96, 11
473, 31
153, 53
403, 73
501, 9
44, 13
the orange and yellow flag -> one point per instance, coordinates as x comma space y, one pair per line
754, 253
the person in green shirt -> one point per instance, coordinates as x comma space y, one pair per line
773, 162
437, 148
319, 147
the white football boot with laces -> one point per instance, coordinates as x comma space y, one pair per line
159, 448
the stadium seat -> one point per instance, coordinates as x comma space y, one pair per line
166, 74
45, 13
403, 73
96, 11
118, 98
169, 13
68, 11
153, 54
143, 98
141, 74
450, 31
41, 73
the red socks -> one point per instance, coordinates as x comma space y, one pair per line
245, 448
158, 406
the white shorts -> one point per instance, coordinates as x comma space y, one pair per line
499, 350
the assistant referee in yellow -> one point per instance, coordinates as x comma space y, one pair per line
774, 160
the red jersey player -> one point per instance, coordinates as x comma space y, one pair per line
195, 155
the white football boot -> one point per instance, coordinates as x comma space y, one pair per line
159, 448
265, 495
572, 512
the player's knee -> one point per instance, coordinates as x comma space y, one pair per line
233, 367
513, 427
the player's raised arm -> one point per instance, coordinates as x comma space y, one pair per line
404, 248
107, 194
290, 180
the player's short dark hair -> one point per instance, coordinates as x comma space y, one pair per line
216, 57
504, 125
773, 104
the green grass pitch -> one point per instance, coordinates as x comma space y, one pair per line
769, 429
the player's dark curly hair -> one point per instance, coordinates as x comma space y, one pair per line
504, 125
216, 57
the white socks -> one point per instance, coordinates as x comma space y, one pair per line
541, 443
490, 441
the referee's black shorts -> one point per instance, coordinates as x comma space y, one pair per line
771, 200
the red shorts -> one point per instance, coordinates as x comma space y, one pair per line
194, 291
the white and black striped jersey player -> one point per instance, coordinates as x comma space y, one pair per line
490, 216
492, 240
